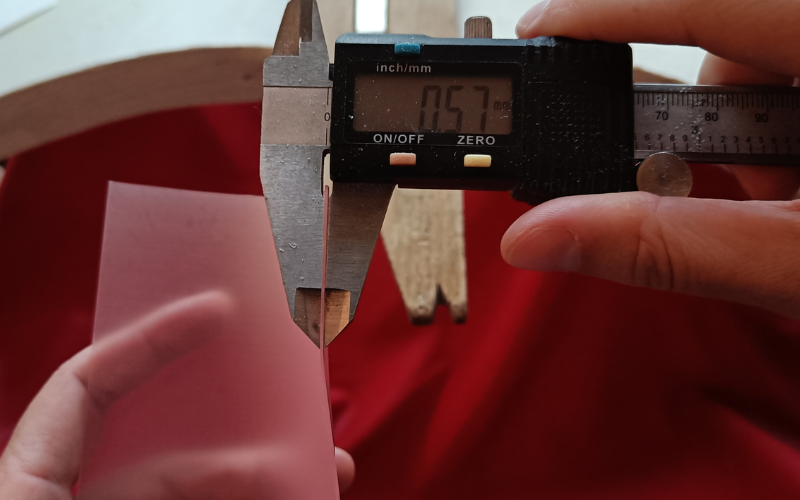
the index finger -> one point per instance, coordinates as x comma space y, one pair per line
42, 458
758, 33
121, 361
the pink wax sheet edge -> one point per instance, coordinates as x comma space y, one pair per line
255, 388
326, 196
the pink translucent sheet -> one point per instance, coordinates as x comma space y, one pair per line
203, 385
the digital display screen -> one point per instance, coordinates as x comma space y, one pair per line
433, 104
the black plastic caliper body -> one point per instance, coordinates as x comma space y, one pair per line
543, 118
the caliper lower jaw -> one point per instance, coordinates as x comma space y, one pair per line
295, 135
291, 176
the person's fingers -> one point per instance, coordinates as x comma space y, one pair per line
125, 358
758, 33
718, 71
345, 469
42, 457
759, 182
229, 474
740, 251
233, 473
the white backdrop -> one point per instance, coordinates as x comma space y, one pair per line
79, 34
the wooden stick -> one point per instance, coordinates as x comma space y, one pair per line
424, 229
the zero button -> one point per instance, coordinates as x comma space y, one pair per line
478, 161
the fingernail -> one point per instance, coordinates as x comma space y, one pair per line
529, 18
544, 249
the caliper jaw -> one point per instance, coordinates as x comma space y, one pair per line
295, 137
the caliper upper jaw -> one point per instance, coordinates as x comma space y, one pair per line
295, 137
300, 56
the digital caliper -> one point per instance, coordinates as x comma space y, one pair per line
541, 118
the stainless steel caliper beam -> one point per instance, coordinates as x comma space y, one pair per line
295, 135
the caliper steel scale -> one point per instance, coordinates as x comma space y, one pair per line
541, 118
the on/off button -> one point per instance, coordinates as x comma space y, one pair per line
403, 159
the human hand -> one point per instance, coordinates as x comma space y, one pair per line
42, 459
745, 252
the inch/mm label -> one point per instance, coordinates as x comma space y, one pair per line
718, 124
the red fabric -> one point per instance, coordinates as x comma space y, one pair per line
558, 386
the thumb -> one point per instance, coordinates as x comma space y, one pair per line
747, 252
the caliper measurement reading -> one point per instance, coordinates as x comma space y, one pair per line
727, 125
433, 105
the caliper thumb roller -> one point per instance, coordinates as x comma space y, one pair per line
541, 118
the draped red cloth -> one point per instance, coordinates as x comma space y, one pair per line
557, 387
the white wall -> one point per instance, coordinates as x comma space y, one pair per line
79, 34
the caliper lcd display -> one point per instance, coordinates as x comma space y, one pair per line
433, 104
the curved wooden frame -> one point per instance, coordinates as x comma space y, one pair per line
64, 106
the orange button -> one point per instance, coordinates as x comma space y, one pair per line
404, 159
